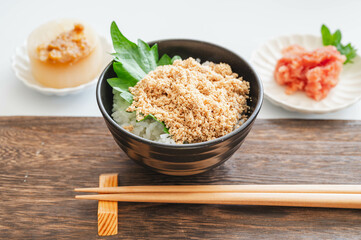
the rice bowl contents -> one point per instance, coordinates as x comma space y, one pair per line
195, 102
148, 128
315, 72
170, 100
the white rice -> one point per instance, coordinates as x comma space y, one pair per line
149, 129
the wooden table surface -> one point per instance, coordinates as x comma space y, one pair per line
43, 158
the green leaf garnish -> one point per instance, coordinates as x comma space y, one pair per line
132, 62
122, 87
176, 57
165, 129
165, 60
326, 35
125, 75
349, 51
335, 40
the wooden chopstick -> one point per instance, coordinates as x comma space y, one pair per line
267, 199
341, 189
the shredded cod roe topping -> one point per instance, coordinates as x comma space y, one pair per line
67, 47
196, 102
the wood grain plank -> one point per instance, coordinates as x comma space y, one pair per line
43, 158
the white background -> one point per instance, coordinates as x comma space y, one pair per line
238, 25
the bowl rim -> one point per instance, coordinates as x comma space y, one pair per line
191, 145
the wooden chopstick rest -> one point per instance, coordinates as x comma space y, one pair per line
108, 210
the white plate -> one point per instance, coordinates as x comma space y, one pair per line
22, 70
346, 92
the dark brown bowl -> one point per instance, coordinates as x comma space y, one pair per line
186, 159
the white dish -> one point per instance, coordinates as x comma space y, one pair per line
22, 70
346, 92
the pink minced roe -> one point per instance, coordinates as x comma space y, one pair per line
314, 72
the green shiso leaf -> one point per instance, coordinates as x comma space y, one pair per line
123, 74
122, 87
132, 62
176, 57
165, 60
149, 116
136, 61
335, 40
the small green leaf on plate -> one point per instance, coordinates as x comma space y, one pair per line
335, 40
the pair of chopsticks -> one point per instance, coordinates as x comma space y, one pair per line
329, 196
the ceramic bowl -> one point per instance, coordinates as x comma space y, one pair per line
184, 159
